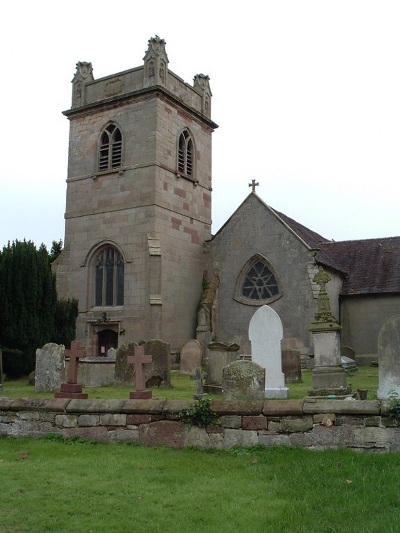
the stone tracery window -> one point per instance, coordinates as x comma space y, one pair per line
109, 277
186, 154
257, 283
110, 153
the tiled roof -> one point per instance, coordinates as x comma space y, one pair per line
311, 238
371, 266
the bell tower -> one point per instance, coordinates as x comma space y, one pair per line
138, 204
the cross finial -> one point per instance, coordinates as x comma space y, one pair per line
253, 185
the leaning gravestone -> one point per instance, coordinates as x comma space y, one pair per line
243, 380
265, 334
158, 372
124, 372
191, 356
49, 372
389, 358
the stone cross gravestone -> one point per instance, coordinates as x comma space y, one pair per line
191, 357
389, 358
72, 389
197, 376
49, 369
265, 334
139, 359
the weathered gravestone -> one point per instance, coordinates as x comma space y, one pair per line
389, 358
265, 334
243, 380
220, 355
291, 365
191, 357
49, 370
157, 373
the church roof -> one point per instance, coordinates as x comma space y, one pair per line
311, 238
368, 266
371, 266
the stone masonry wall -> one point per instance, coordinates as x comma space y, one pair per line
314, 424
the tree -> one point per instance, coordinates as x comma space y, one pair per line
28, 306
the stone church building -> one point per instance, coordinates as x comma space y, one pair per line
139, 254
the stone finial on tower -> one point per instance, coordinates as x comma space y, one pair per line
83, 74
155, 63
201, 84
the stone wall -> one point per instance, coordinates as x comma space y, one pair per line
314, 424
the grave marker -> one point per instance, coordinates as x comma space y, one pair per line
72, 389
138, 360
389, 358
265, 334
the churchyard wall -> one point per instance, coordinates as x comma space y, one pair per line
309, 423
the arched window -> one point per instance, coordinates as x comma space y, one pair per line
110, 154
257, 283
109, 277
186, 154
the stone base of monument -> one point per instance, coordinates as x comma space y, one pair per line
276, 394
330, 378
141, 395
210, 388
70, 390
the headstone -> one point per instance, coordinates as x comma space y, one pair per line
265, 334
220, 354
139, 359
72, 389
49, 370
159, 372
328, 375
389, 358
243, 380
124, 372
291, 365
191, 357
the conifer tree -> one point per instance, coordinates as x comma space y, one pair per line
28, 307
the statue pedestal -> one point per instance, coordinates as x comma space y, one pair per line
329, 378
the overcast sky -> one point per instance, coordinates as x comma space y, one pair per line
306, 95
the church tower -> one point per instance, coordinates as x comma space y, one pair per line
138, 206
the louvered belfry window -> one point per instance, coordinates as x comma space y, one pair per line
109, 278
110, 156
185, 154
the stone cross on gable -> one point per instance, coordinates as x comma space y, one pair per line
75, 353
253, 185
140, 359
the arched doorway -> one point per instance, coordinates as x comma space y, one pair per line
107, 338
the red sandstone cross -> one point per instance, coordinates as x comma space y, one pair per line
139, 359
75, 353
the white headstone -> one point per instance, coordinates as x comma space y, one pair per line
265, 334
389, 358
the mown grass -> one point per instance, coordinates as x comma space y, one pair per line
72, 486
183, 388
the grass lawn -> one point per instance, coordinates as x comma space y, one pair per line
73, 486
183, 388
